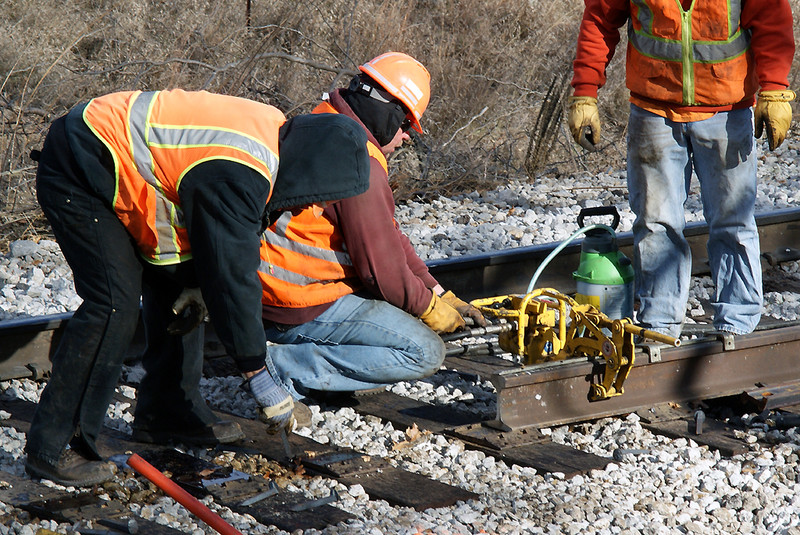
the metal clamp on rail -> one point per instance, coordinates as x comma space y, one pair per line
653, 351
727, 339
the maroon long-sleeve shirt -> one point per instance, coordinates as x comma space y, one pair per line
388, 268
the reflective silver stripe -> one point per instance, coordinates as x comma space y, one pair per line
655, 47
704, 51
278, 239
645, 15
715, 52
286, 275
327, 255
176, 136
167, 214
413, 94
734, 15
145, 135
136, 125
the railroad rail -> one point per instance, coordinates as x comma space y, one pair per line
510, 271
552, 393
763, 368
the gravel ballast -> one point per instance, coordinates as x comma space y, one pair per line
671, 486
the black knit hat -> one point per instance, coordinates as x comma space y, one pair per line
323, 157
380, 112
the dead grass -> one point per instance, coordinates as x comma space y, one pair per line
493, 63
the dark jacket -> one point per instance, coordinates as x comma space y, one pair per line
225, 207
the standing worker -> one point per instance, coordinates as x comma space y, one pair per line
693, 70
169, 186
344, 290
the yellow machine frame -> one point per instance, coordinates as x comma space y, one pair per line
551, 326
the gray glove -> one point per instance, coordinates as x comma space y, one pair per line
190, 310
275, 405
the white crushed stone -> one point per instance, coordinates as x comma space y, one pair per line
672, 486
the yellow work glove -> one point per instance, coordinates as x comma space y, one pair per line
465, 309
774, 110
442, 317
583, 120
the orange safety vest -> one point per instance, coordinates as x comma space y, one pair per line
156, 137
304, 260
695, 57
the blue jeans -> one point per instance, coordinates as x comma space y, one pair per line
661, 157
356, 344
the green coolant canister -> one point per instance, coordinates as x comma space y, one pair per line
604, 278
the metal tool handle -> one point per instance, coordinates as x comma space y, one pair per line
496, 328
653, 335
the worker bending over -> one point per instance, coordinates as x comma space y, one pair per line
343, 289
693, 70
170, 189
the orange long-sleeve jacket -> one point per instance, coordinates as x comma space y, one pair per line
766, 23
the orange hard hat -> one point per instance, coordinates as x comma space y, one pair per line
405, 79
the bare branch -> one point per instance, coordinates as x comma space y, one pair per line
526, 90
446, 143
18, 171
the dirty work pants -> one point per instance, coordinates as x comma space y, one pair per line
356, 344
168, 397
110, 278
661, 157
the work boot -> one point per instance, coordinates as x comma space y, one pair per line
72, 470
221, 432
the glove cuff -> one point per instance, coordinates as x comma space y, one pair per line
285, 406
778, 95
572, 101
431, 305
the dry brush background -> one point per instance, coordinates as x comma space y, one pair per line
500, 72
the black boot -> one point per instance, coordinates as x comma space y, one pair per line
71, 470
220, 432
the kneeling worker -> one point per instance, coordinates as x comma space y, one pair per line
344, 290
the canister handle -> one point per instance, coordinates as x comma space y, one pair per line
599, 211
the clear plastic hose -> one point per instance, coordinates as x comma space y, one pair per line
554, 252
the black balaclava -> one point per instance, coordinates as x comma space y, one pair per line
382, 118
